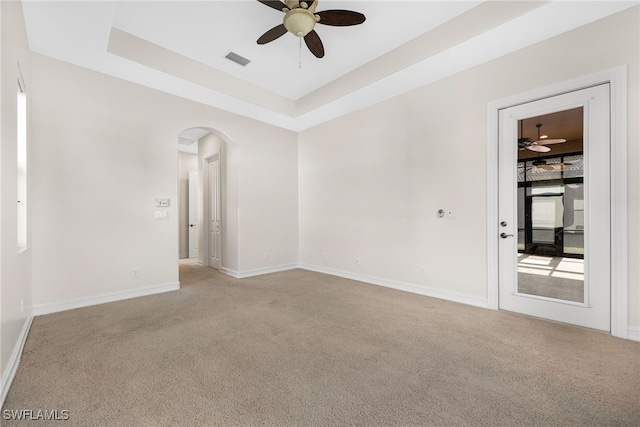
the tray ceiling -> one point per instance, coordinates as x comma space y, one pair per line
180, 48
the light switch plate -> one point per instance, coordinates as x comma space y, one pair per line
162, 215
162, 203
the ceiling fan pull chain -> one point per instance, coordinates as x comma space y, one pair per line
300, 53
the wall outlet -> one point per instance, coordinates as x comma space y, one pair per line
358, 261
325, 256
423, 271
265, 256
136, 273
450, 215
21, 306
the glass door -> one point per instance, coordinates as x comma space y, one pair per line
554, 242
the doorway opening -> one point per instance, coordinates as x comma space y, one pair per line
208, 191
190, 212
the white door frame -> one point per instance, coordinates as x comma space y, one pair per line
617, 78
204, 242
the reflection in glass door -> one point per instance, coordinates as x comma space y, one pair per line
551, 210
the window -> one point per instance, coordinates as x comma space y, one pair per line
551, 205
22, 170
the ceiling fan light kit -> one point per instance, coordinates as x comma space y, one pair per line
300, 20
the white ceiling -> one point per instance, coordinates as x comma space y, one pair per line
207, 31
402, 45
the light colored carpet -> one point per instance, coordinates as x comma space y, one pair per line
302, 348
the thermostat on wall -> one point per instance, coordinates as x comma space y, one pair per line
162, 203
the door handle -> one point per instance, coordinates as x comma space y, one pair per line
505, 235
192, 225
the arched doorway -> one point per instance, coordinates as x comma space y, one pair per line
207, 169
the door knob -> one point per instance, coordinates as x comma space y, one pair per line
505, 235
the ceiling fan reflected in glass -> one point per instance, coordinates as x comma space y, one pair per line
300, 19
539, 145
543, 164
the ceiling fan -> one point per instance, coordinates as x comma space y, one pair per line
540, 145
300, 19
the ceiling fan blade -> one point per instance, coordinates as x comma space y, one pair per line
275, 4
547, 167
314, 44
550, 141
538, 148
340, 18
272, 34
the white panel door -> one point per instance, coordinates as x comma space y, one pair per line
194, 214
547, 202
214, 238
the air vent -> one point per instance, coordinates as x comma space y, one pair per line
185, 141
232, 56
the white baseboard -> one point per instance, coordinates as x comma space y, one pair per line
230, 272
402, 286
14, 361
257, 271
40, 309
634, 334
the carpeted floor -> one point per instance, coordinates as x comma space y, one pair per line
302, 348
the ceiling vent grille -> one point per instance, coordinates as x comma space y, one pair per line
232, 56
185, 141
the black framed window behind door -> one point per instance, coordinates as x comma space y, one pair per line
551, 205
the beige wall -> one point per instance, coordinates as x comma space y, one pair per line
103, 150
372, 182
15, 269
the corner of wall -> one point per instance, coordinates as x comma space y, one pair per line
15, 265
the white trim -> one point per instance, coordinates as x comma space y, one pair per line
401, 286
266, 270
633, 334
617, 78
619, 254
41, 309
257, 271
14, 360
228, 272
